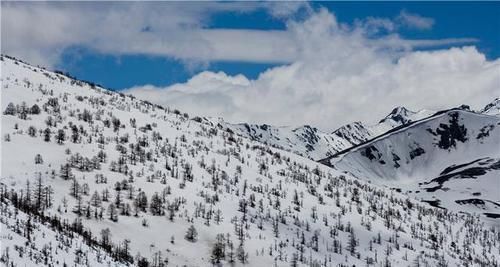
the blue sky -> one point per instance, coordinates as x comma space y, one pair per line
451, 20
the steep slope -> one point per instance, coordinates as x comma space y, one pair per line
169, 189
492, 108
306, 141
30, 241
313, 143
399, 116
450, 157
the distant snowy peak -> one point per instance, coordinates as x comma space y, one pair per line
304, 140
313, 143
492, 108
401, 115
354, 133
445, 159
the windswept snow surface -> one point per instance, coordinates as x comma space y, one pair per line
148, 173
446, 159
315, 144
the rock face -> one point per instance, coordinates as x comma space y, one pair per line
492, 108
315, 144
450, 133
448, 147
399, 115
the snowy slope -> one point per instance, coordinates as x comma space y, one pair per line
148, 174
414, 157
313, 143
492, 108
398, 116
305, 141
47, 245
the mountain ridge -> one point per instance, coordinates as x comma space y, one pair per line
148, 185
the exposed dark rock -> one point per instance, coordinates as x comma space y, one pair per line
464, 107
454, 167
485, 131
468, 173
492, 215
395, 159
371, 153
416, 152
308, 135
354, 133
434, 203
473, 201
399, 115
451, 133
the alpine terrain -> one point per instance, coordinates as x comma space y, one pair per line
92, 177
450, 159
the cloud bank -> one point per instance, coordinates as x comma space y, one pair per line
40, 31
333, 73
339, 74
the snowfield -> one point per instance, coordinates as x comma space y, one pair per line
105, 179
451, 160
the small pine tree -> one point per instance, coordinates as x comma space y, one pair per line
112, 212
241, 254
46, 135
38, 159
35, 109
191, 234
10, 110
218, 250
65, 172
352, 243
60, 137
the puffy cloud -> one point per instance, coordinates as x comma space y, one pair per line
39, 31
287, 9
338, 75
335, 73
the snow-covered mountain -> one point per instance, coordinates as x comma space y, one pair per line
121, 181
451, 159
492, 108
306, 141
313, 143
399, 116
48, 244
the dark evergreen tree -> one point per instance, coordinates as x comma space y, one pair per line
46, 135
241, 254
352, 243
35, 109
218, 250
65, 172
61, 136
10, 109
38, 159
191, 234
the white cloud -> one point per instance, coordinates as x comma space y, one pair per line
338, 75
287, 9
39, 32
415, 21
